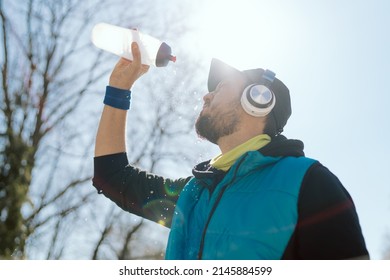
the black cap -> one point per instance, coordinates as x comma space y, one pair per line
282, 110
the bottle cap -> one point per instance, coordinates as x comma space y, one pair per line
164, 55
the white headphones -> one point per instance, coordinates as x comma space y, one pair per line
257, 99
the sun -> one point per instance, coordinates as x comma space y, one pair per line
236, 32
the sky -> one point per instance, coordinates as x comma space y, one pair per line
334, 57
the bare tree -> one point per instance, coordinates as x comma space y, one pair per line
47, 97
37, 52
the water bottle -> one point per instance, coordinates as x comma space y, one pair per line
117, 40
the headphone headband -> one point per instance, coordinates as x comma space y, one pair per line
269, 75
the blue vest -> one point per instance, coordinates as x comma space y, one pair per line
255, 211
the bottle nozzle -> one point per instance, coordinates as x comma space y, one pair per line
164, 55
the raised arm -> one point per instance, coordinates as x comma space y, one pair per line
110, 137
136, 191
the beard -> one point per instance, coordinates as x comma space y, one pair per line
212, 126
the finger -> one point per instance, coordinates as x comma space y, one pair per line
136, 54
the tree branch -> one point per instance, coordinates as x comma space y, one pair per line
124, 253
4, 69
59, 195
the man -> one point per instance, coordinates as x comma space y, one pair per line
260, 199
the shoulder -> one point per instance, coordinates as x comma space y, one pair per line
328, 225
321, 188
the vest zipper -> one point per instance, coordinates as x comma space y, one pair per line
201, 246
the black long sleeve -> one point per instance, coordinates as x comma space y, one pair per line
144, 194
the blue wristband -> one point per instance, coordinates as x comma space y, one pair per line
117, 98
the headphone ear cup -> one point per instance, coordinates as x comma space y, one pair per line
257, 100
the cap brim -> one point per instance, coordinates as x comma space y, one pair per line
218, 72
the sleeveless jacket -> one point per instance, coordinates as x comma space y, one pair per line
251, 213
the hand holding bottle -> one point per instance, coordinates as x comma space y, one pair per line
126, 72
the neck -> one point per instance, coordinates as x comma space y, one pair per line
229, 142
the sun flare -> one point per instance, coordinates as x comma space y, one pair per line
233, 31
